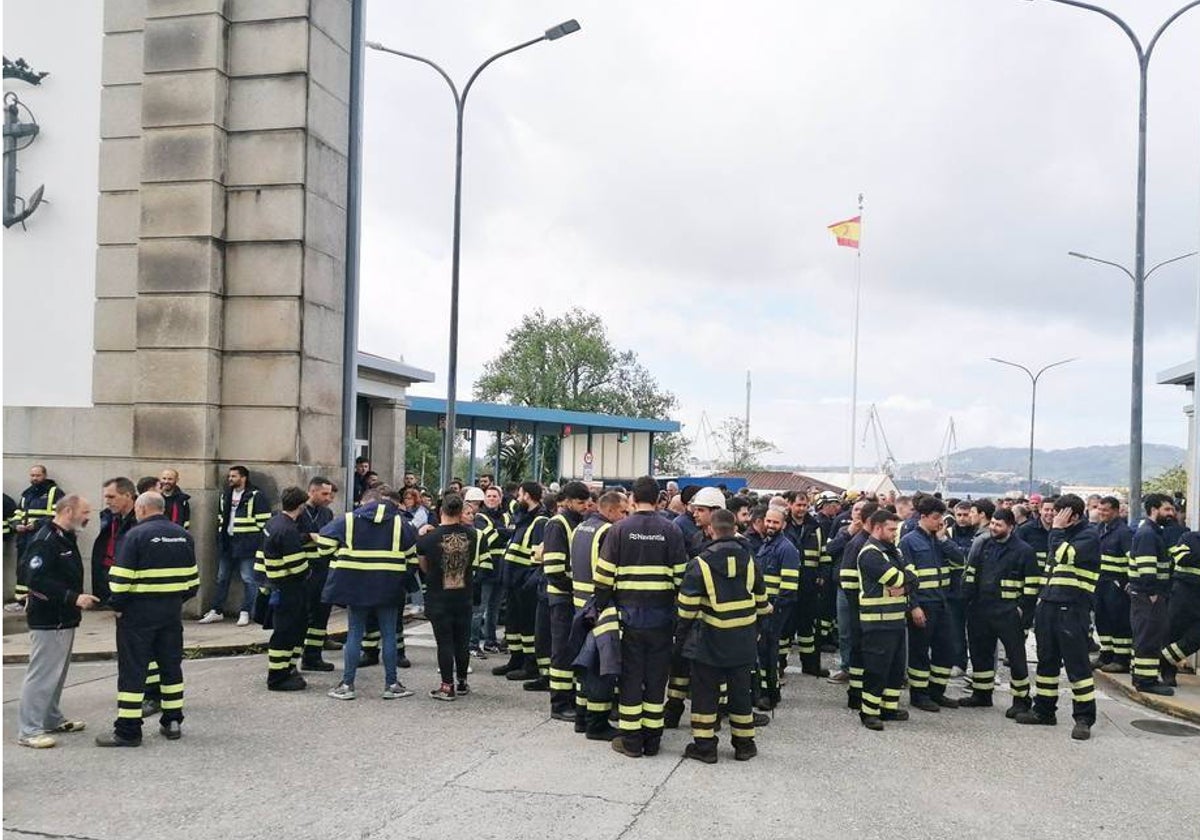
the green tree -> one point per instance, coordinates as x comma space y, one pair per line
569, 363
1170, 481
743, 455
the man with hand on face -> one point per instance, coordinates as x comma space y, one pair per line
54, 574
1062, 616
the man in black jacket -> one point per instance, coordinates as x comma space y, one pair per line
154, 574
243, 513
115, 521
54, 574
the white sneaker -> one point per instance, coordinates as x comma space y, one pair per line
243, 618
211, 617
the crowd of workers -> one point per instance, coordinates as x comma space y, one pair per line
623, 604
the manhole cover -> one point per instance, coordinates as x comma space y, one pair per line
1166, 727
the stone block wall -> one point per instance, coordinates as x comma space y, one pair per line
220, 254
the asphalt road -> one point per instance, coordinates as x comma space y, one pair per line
253, 764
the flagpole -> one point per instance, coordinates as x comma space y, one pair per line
854, 349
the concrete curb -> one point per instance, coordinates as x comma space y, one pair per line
189, 653
1151, 701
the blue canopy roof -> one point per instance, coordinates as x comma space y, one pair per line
499, 417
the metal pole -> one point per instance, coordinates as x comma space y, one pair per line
746, 440
452, 368
1139, 269
353, 234
854, 349
1032, 419
1139, 304
1193, 496
460, 103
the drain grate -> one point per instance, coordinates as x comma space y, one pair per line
1166, 727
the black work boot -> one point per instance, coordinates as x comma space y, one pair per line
1019, 704
702, 749
630, 747
744, 749
672, 713
976, 700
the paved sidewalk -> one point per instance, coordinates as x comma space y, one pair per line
1185, 704
96, 638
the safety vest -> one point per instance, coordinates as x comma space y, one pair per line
555, 561
585, 550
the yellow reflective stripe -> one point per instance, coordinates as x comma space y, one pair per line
121, 571
644, 571
345, 563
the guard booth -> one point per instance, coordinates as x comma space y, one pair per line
593, 447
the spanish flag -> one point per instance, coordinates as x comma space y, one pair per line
848, 232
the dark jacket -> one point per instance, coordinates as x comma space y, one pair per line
693, 537
640, 564
1004, 575
585, 550
155, 568
1149, 563
528, 531
179, 508
720, 599
880, 568
252, 513
36, 505
1186, 556
1116, 539
556, 555
100, 545
929, 559
1073, 565
1037, 537
373, 548
54, 575
779, 563
282, 560
809, 541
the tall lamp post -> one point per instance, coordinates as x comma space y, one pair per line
1139, 252
1135, 438
460, 101
1033, 379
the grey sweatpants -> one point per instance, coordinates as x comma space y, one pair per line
49, 658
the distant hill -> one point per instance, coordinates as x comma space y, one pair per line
1088, 465
1092, 465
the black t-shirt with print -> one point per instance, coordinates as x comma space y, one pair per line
450, 551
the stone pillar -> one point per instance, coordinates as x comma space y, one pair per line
220, 261
389, 426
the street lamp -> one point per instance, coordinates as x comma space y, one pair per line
1135, 437
1139, 251
460, 101
1033, 378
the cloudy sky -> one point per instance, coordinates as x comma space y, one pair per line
674, 166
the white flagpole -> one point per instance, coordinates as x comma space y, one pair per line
854, 350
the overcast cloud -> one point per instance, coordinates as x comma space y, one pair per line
674, 165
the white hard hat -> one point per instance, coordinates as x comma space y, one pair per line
473, 494
709, 497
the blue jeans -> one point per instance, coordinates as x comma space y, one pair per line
387, 616
484, 616
225, 569
845, 639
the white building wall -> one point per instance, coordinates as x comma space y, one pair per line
49, 268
